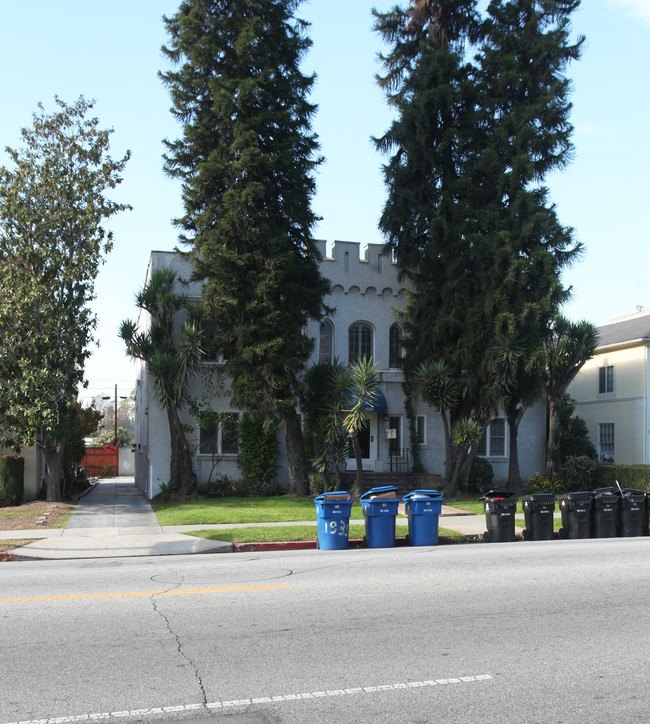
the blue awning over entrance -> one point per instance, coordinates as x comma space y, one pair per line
378, 404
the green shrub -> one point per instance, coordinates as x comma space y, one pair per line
12, 478
480, 476
539, 484
223, 486
258, 453
579, 473
628, 476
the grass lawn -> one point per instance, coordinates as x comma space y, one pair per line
293, 533
210, 511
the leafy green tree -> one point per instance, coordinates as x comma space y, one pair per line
568, 346
172, 354
247, 159
53, 204
572, 432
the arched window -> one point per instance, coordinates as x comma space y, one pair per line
359, 341
325, 342
395, 347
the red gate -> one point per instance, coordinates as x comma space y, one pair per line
100, 461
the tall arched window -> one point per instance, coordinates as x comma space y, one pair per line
359, 341
395, 347
325, 346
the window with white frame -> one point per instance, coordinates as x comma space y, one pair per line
325, 346
606, 379
359, 342
493, 443
220, 437
606, 442
421, 429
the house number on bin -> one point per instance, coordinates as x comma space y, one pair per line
337, 527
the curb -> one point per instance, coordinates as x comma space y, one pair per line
354, 543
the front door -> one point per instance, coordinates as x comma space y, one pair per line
368, 445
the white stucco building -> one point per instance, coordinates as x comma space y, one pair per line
613, 391
365, 296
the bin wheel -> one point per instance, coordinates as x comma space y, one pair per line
486, 537
561, 533
524, 534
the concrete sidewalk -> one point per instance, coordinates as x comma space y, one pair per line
113, 520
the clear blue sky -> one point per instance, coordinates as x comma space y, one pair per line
111, 52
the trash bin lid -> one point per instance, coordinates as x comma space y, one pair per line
497, 494
334, 496
544, 498
388, 492
423, 495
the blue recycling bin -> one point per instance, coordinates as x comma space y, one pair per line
379, 506
423, 508
333, 519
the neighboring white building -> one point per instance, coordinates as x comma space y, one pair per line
365, 295
613, 391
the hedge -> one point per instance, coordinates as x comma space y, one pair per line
636, 477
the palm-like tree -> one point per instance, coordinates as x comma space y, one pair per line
568, 346
172, 358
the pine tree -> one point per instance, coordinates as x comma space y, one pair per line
482, 118
247, 159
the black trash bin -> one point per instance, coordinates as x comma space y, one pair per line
604, 511
631, 518
576, 514
538, 516
499, 516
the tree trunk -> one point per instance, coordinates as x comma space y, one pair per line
296, 466
181, 473
358, 479
53, 471
514, 476
551, 443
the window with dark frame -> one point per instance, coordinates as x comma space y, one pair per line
395, 347
325, 347
606, 380
359, 342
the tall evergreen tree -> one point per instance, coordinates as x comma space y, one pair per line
247, 159
482, 117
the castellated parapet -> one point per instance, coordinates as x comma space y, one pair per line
364, 270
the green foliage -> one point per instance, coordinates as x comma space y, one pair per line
636, 477
53, 203
481, 476
223, 486
572, 434
543, 484
107, 437
83, 423
165, 492
579, 473
172, 355
481, 105
12, 478
258, 453
247, 159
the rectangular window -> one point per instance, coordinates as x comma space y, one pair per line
606, 379
493, 443
212, 350
220, 438
606, 442
420, 429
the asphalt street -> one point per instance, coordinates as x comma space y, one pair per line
552, 631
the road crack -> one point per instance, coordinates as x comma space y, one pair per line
179, 645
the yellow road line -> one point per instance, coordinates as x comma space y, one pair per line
135, 594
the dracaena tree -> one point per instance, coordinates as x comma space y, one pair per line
171, 351
53, 206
